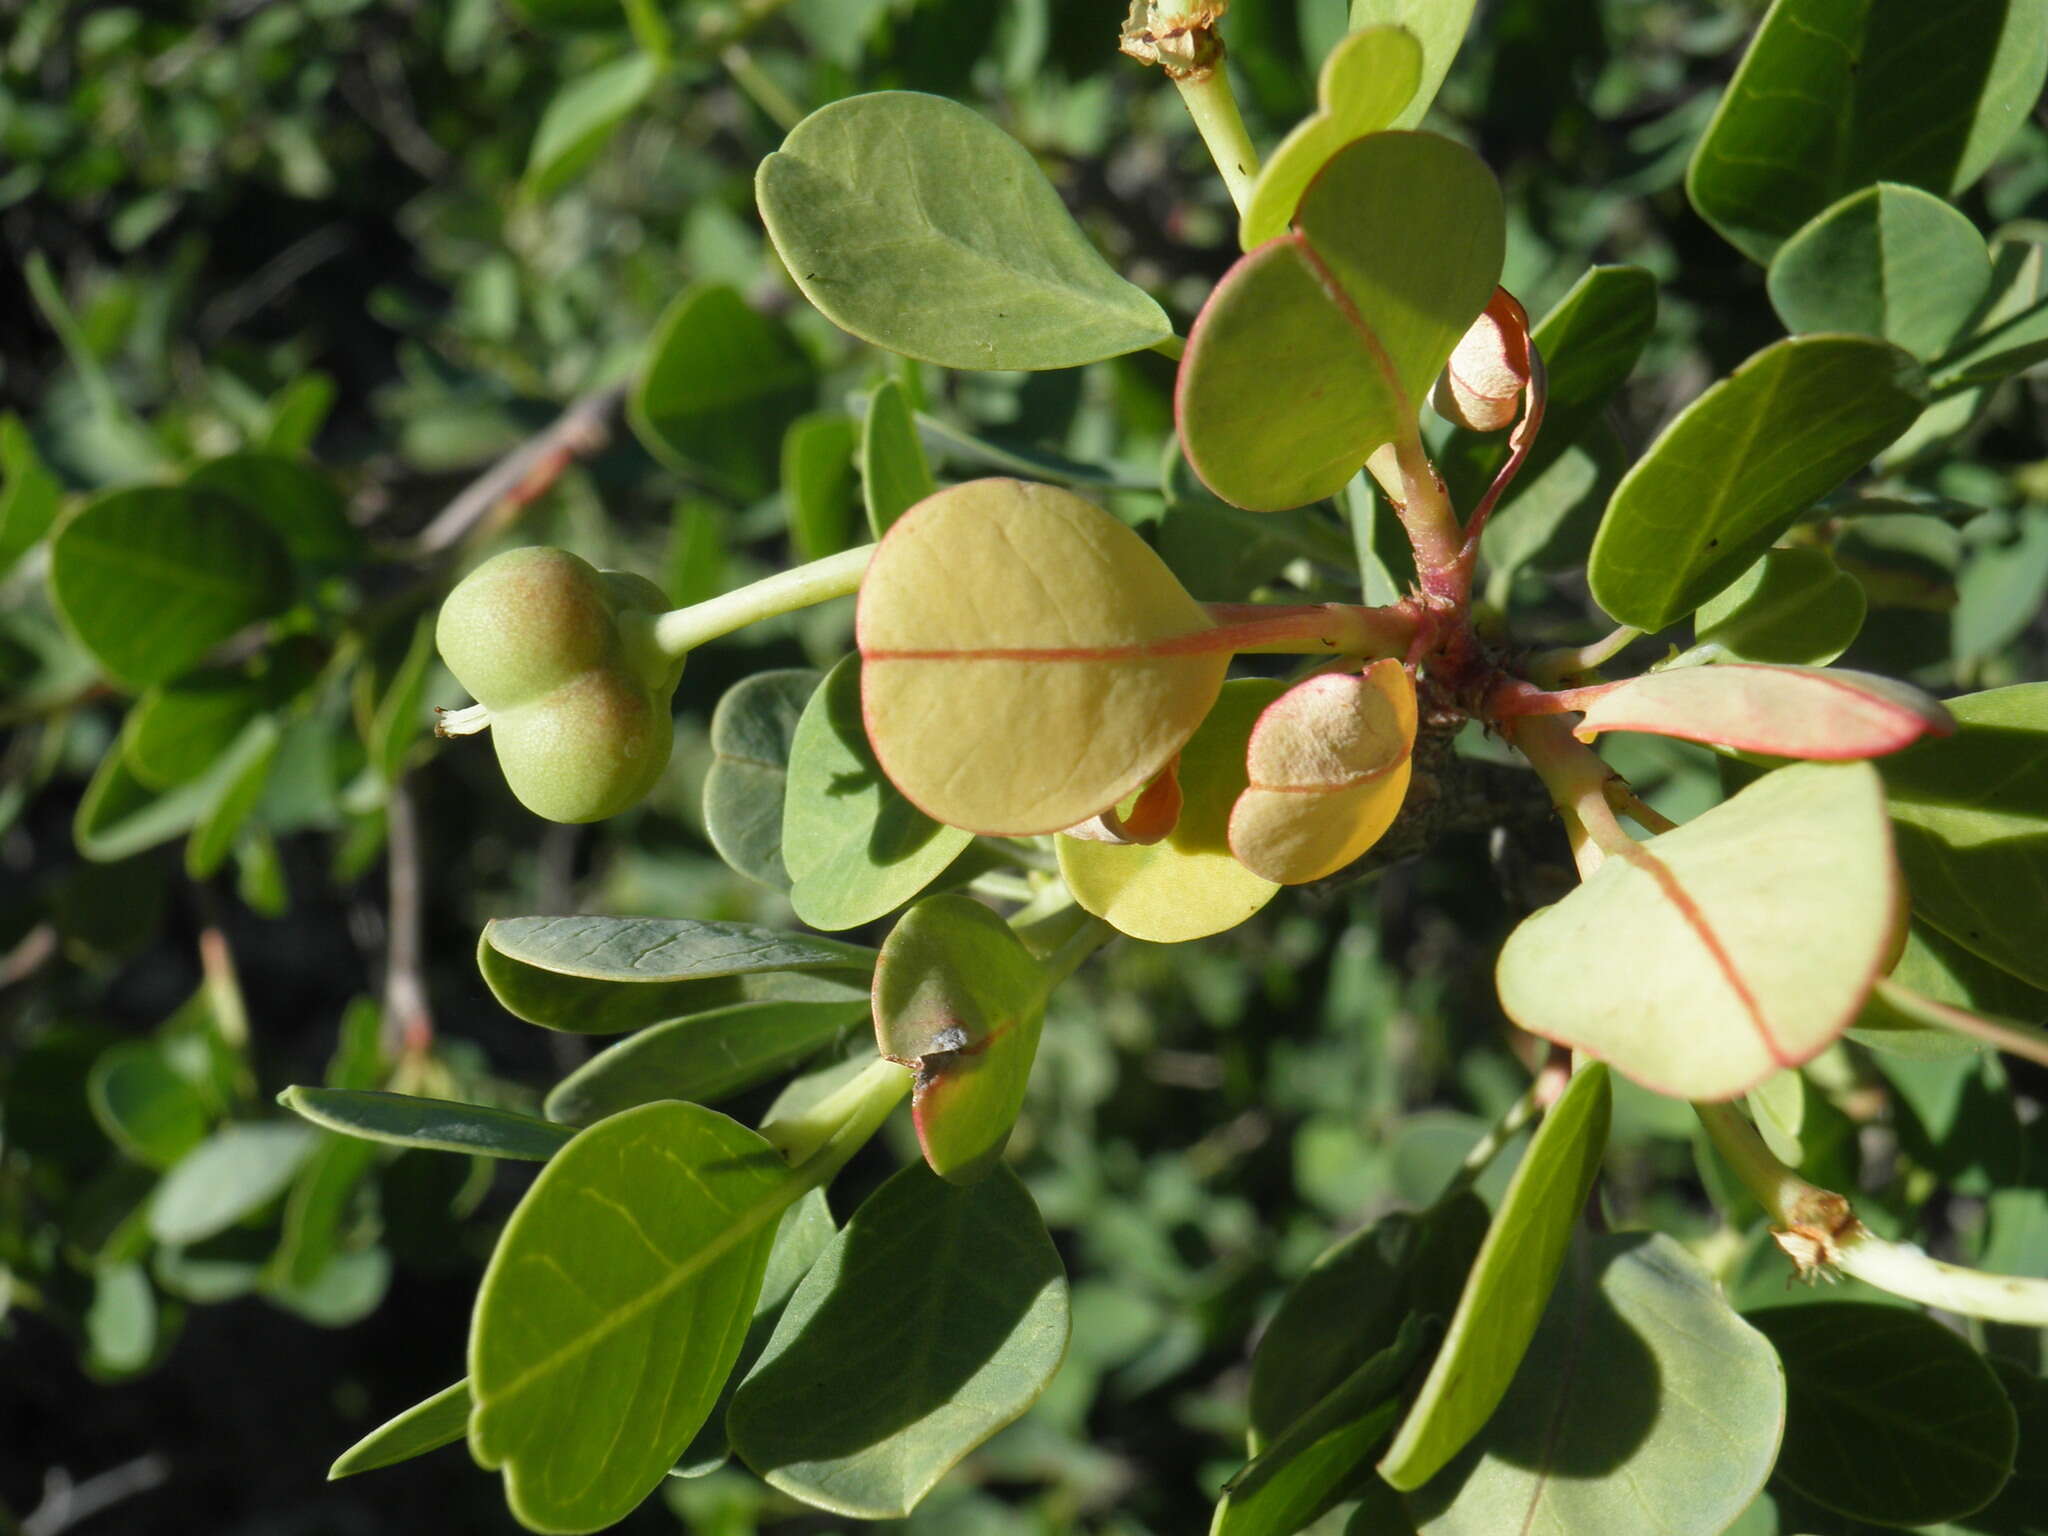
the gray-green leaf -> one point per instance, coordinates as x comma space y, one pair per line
751, 732
440, 1124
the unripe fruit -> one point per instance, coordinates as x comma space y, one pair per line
563, 657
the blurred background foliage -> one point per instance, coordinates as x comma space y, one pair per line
372, 245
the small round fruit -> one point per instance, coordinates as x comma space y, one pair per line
524, 623
590, 749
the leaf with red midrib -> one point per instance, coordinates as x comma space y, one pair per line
1701, 961
1818, 713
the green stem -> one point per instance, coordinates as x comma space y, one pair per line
1088, 936
1542, 1092
1174, 347
818, 1141
650, 30
729, 26
2008, 1035
1827, 1234
1577, 779
678, 633
1547, 669
1432, 524
785, 110
1214, 109
1310, 629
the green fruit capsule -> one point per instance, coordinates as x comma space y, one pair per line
562, 657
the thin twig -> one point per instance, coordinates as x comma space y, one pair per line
528, 470
65, 1503
408, 1021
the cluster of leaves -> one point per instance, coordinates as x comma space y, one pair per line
674, 1288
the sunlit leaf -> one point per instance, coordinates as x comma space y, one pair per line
1637, 1368
426, 1426
1971, 814
1028, 660
704, 1058
1889, 261
405, 1120
854, 847
614, 1306
1365, 82
1321, 345
1753, 933
1327, 769
1728, 476
888, 1368
1890, 1416
1509, 1285
960, 1000
1809, 712
917, 224
1440, 25
1188, 884
1836, 94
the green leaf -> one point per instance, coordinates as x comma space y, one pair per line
213, 838
121, 1324
1365, 83
1937, 967
1739, 464
604, 975
1887, 261
151, 578
705, 1057
2001, 589
1510, 1282
237, 1170
817, 482
1641, 1391
1891, 1417
1307, 1468
176, 731
614, 1307
401, 713
957, 1292
1440, 25
959, 1000
2011, 335
582, 117
1589, 342
30, 496
442, 1124
1836, 94
119, 815
301, 504
1351, 1303
1971, 817
1754, 932
1794, 607
1319, 346
426, 1426
1831, 714
751, 733
920, 226
317, 1209
854, 847
722, 384
148, 1109
894, 473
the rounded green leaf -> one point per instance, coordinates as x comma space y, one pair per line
1028, 661
1753, 934
751, 732
1187, 885
1439, 25
151, 578
935, 1318
1321, 345
602, 975
704, 1058
1641, 1383
1739, 464
148, 1109
178, 730
1812, 712
817, 482
1971, 814
1794, 607
1887, 261
302, 504
1365, 82
236, 1171
854, 847
722, 384
443, 1124
918, 225
614, 1306
1891, 1417
960, 1001
1836, 94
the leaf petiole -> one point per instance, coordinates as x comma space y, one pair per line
677, 633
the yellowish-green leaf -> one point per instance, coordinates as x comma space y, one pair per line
1028, 660
1188, 885
1327, 769
1752, 934
1366, 81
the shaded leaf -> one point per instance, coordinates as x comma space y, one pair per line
582, 117
751, 732
969, 1345
920, 226
894, 473
236, 1171
148, 1109
302, 505
817, 482
442, 1124
1794, 607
